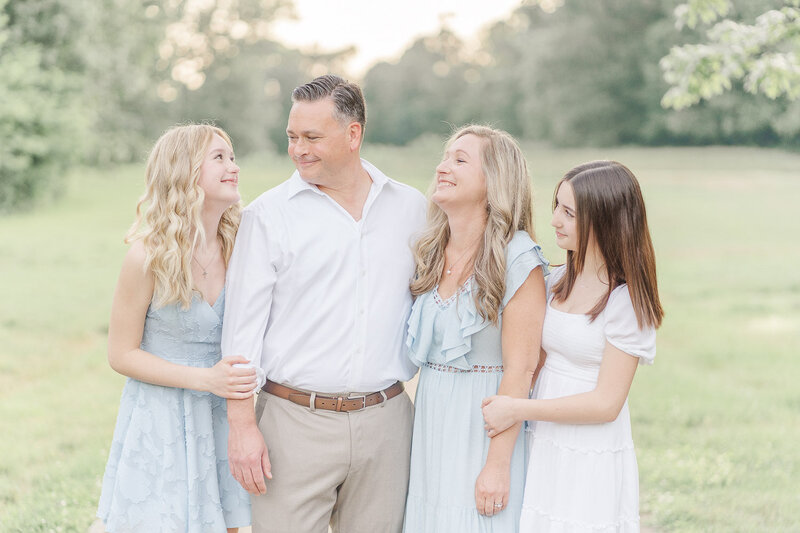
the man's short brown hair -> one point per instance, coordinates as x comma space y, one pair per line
347, 97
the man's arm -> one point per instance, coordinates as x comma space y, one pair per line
248, 299
248, 456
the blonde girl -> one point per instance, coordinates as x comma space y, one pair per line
167, 468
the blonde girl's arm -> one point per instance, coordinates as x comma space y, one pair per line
131, 300
521, 338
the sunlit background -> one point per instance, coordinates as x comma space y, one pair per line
698, 98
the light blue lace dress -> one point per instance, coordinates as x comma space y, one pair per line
167, 469
460, 360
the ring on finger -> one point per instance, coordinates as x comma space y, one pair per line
498, 505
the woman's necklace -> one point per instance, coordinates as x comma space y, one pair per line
450, 270
204, 268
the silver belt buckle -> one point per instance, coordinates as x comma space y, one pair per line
363, 402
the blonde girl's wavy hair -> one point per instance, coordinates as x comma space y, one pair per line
509, 208
168, 213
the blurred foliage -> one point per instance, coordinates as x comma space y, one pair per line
764, 56
580, 73
99, 80
419, 94
39, 118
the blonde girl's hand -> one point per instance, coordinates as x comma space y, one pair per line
229, 381
498, 414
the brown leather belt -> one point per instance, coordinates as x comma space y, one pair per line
332, 403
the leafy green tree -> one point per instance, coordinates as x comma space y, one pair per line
162, 63
40, 122
585, 70
98, 80
586, 73
422, 93
764, 56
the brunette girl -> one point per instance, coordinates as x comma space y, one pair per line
602, 313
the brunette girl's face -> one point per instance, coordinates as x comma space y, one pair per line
565, 219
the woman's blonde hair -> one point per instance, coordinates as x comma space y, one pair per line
509, 208
168, 213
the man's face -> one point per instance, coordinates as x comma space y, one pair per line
319, 145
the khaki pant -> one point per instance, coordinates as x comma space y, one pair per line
349, 470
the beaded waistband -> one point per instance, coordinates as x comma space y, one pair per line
485, 369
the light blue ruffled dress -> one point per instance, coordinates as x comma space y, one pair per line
168, 469
460, 360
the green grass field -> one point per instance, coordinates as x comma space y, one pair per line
716, 420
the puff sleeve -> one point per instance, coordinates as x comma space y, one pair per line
622, 330
522, 256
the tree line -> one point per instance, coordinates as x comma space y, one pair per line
96, 81
593, 73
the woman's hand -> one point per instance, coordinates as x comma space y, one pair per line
498, 414
491, 489
231, 382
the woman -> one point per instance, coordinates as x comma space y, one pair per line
167, 469
474, 330
603, 309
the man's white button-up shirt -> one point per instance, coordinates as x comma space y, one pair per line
317, 300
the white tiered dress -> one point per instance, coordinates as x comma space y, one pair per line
583, 477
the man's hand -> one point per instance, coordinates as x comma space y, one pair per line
248, 457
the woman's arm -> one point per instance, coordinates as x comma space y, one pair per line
600, 405
128, 310
521, 337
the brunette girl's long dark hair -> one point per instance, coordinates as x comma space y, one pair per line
609, 205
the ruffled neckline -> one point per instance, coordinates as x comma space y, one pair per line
444, 303
456, 324
459, 326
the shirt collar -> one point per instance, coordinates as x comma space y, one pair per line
297, 184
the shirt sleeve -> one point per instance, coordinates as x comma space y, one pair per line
251, 279
622, 329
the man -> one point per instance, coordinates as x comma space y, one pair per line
317, 299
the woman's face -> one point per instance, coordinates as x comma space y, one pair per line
564, 218
219, 174
460, 181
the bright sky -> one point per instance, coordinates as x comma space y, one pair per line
382, 29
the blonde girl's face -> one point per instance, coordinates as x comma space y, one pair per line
219, 174
564, 218
459, 177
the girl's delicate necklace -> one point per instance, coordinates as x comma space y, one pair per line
204, 268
